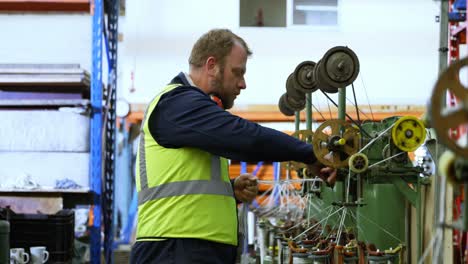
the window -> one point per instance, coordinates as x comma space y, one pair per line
314, 12
262, 13
288, 13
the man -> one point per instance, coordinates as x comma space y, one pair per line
187, 207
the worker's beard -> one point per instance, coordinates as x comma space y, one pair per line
222, 93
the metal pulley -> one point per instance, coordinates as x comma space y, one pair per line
287, 105
294, 99
296, 96
334, 142
358, 163
304, 76
408, 133
448, 119
338, 68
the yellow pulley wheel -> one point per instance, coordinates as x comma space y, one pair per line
358, 163
303, 135
334, 142
408, 133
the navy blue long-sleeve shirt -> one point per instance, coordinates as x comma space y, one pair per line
187, 117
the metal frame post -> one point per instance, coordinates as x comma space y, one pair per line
109, 173
96, 131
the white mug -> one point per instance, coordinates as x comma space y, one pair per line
17, 255
39, 255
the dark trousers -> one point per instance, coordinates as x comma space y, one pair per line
182, 251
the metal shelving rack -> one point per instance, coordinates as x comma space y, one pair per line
103, 202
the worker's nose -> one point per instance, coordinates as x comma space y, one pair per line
242, 84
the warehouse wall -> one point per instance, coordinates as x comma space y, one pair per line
45, 38
396, 42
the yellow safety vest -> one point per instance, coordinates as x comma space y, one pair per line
183, 192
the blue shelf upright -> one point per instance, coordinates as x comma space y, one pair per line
103, 187
96, 130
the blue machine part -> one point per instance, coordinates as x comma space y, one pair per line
460, 5
456, 17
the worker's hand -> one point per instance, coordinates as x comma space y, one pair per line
245, 187
327, 174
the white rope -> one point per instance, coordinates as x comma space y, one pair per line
358, 227
269, 182
333, 228
340, 227
438, 247
308, 211
310, 228
324, 225
348, 182
300, 223
373, 140
434, 239
384, 160
383, 229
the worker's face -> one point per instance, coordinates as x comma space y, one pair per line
230, 80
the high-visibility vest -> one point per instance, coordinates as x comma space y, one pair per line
182, 192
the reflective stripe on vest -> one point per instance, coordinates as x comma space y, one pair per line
214, 186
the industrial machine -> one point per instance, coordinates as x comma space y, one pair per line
364, 218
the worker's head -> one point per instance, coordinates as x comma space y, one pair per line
221, 56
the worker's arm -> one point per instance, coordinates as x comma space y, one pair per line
187, 117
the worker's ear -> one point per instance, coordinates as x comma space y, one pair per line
211, 65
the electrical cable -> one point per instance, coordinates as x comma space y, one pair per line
365, 91
351, 119
360, 111
356, 104
319, 112
328, 103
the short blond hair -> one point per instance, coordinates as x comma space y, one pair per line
217, 43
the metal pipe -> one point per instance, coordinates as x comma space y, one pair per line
297, 120
419, 226
444, 35
439, 183
341, 103
408, 230
309, 111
